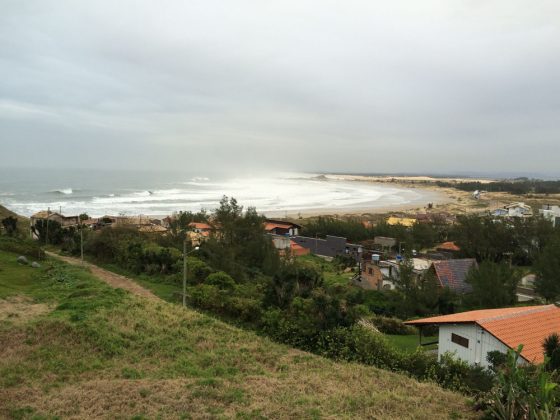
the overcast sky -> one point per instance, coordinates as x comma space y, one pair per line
362, 86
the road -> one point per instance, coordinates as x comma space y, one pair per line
112, 279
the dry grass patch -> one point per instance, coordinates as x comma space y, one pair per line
19, 309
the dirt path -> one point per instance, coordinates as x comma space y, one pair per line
115, 280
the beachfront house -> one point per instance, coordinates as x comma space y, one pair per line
470, 336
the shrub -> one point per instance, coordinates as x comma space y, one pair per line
389, 325
221, 280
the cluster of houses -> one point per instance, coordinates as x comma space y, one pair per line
469, 335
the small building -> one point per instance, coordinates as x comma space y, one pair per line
472, 335
552, 213
452, 273
278, 227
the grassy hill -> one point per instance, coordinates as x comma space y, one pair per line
73, 347
23, 222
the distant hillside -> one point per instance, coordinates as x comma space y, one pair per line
4, 212
23, 222
74, 347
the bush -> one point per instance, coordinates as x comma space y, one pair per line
389, 325
221, 280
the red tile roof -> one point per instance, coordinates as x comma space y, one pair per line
528, 325
201, 226
448, 246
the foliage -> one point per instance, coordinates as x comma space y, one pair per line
487, 239
390, 325
551, 347
494, 285
221, 280
547, 268
293, 278
523, 392
10, 225
350, 228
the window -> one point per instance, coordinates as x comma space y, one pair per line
462, 341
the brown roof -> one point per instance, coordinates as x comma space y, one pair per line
528, 325
453, 273
270, 226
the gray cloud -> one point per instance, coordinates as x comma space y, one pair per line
438, 86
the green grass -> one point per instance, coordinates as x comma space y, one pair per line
409, 343
103, 353
331, 275
16, 278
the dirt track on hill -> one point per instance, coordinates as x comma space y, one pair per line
112, 279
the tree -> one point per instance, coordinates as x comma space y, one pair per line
551, 347
293, 278
494, 285
10, 225
547, 268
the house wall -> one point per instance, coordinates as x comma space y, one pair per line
481, 342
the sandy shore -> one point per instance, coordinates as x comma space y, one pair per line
424, 187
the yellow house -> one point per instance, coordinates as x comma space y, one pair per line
405, 221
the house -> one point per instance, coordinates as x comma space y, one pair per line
514, 210
47, 215
371, 277
404, 221
331, 246
277, 227
452, 273
552, 213
472, 335
203, 228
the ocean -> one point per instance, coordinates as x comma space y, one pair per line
98, 193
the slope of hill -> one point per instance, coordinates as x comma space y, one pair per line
23, 222
73, 347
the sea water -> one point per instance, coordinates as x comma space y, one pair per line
99, 193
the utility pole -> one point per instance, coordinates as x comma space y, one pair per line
184, 272
185, 253
48, 216
82, 242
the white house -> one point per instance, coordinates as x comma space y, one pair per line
551, 213
514, 210
472, 335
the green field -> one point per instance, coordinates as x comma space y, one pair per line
410, 342
74, 347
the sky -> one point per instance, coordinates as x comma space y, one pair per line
433, 86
